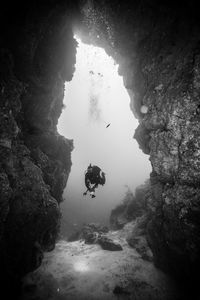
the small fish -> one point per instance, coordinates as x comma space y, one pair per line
107, 125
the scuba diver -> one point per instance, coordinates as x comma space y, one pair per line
93, 177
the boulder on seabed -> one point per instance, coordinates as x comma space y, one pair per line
108, 244
88, 233
94, 233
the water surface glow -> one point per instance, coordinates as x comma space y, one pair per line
95, 98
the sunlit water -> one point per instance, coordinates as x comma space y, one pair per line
95, 98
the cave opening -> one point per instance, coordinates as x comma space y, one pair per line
158, 45
95, 98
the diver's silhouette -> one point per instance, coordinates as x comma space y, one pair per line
93, 177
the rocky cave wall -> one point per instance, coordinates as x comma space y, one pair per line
157, 48
37, 56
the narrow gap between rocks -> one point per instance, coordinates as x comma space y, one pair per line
94, 99
91, 260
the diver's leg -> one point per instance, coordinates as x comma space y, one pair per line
92, 193
95, 186
88, 186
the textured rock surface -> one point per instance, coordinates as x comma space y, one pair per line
37, 55
131, 207
134, 214
108, 244
157, 47
94, 233
137, 237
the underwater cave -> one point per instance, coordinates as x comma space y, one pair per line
94, 98
135, 239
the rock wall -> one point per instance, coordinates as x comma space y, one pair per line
37, 55
157, 48
131, 207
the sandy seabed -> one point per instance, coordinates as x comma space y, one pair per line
77, 271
